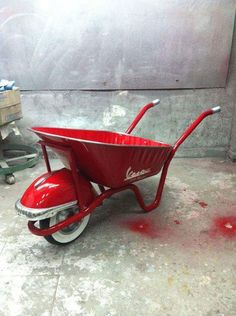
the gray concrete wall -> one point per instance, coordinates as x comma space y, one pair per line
231, 90
114, 110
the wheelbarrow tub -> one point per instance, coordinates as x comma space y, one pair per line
108, 158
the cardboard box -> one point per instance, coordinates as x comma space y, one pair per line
9, 97
10, 113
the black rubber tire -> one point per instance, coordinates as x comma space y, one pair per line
45, 223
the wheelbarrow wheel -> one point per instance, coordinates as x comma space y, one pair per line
10, 179
68, 234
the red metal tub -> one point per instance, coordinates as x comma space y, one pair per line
108, 158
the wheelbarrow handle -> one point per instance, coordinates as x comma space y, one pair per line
194, 124
141, 114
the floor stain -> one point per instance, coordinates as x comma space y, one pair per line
142, 226
170, 281
203, 204
177, 222
224, 226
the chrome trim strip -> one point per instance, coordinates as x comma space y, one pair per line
41, 213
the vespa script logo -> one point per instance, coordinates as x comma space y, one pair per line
130, 174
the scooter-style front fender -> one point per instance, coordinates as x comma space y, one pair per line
52, 192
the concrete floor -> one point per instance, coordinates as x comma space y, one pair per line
179, 259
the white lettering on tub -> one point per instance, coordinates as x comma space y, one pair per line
130, 174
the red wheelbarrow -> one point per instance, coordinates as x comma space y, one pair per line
58, 203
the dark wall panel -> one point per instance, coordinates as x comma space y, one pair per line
102, 44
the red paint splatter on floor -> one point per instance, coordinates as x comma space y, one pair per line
142, 226
177, 222
202, 204
224, 226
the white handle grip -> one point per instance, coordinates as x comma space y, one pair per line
216, 109
155, 102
